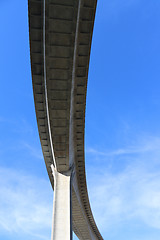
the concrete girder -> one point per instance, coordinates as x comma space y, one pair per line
60, 41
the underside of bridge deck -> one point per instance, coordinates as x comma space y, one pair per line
60, 42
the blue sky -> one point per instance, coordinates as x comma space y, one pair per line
122, 125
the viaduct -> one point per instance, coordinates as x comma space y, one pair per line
60, 42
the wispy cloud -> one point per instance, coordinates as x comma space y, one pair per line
126, 196
132, 194
129, 196
22, 137
35, 152
141, 145
25, 204
17, 125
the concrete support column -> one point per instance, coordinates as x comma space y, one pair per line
62, 217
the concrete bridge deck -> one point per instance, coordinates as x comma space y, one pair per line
60, 43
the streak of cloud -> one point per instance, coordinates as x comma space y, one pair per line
142, 145
35, 152
25, 205
131, 196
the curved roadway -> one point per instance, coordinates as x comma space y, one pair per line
60, 42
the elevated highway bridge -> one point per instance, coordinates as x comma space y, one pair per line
60, 42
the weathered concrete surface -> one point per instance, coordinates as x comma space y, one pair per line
60, 41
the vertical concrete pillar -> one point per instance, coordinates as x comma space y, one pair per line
62, 217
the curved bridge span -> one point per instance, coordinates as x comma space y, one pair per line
60, 42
